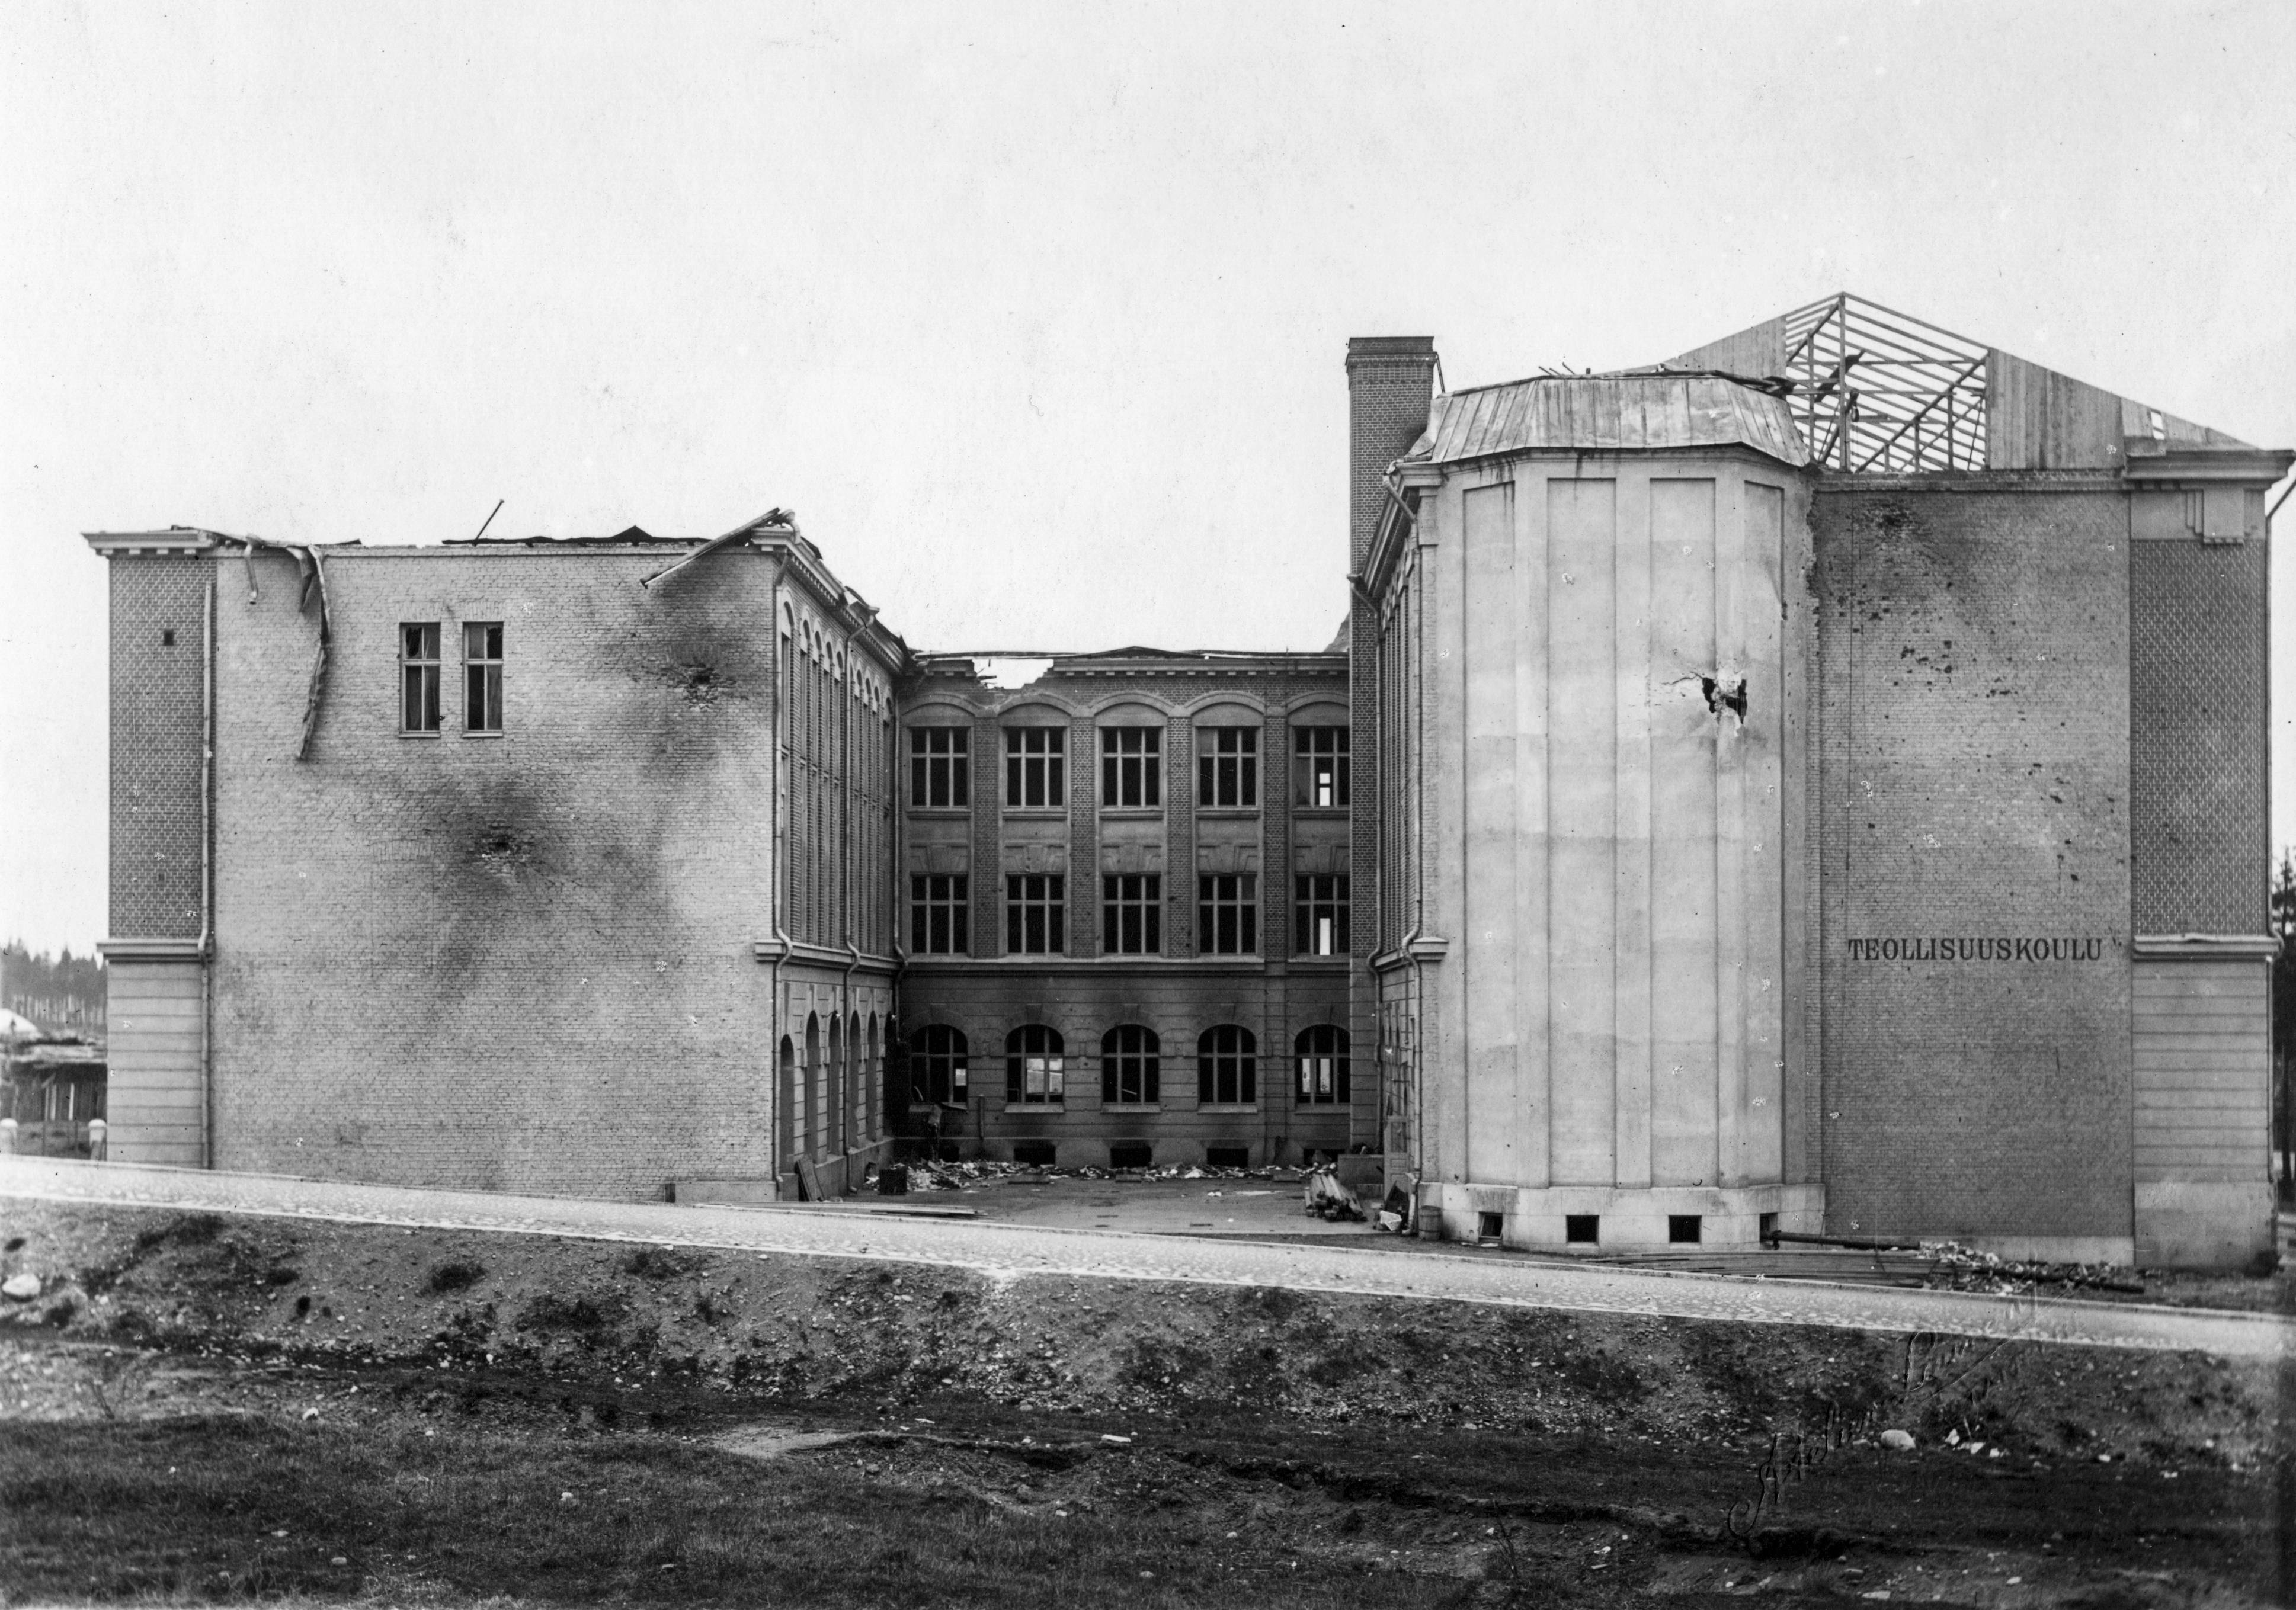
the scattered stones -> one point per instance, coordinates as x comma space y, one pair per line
21, 1288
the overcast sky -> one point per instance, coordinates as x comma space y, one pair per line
1034, 314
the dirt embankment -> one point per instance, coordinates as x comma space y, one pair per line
800, 1330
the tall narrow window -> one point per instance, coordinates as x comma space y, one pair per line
1227, 766
939, 914
1228, 913
937, 1064
1322, 1052
1131, 766
1319, 768
1131, 1067
1035, 913
418, 675
1132, 913
1034, 767
1033, 1065
1319, 925
482, 667
938, 775
1228, 1067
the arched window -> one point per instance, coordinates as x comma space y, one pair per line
937, 1059
1321, 1053
1131, 1066
785, 1105
1032, 1064
1228, 1067
810, 1112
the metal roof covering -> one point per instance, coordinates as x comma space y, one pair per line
1609, 413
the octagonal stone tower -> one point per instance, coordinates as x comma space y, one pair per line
1590, 757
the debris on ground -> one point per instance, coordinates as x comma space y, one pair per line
1327, 1198
1958, 1268
931, 1174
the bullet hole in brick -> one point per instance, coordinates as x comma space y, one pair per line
502, 848
1724, 693
699, 682
166, 637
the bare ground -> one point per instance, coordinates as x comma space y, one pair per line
737, 1427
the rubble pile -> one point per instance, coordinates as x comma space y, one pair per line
930, 1175
1958, 1268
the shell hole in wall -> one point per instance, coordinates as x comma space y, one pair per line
1037, 1154
1227, 1156
1130, 1154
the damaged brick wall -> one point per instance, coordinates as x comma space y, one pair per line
1974, 786
518, 962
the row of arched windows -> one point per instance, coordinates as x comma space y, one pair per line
1131, 1066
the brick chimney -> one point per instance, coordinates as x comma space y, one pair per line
1390, 381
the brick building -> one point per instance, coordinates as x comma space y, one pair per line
1815, 783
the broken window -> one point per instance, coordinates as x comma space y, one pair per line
1131, 1066
1228, 1067
482, 669
1227, 767
937, 1064
939, 914
418, 672
1319, 925
1032, 1065
1228, 913
1131, 766
1323, 1055
1132, 913
1035, 913
1035, 764
1319, 768
938, 773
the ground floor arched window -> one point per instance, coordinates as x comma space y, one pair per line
1321, 1053
938, 1061
1228, 1067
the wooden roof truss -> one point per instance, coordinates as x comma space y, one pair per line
1881, 392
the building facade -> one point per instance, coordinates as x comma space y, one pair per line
1130, 908
1816, 783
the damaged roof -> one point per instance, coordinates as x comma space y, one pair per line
1611, 412
1876, 391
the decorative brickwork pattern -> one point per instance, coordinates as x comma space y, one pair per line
157, 731
2197, 738
1084, 839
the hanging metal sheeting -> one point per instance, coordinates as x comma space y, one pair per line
313, 572
773, 519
